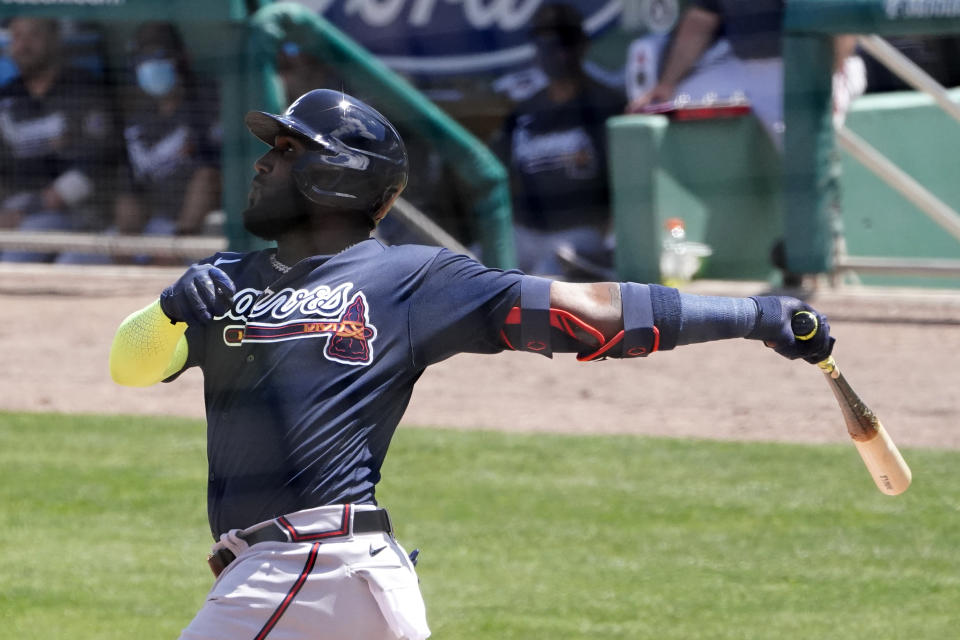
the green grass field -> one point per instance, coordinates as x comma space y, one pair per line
104, 535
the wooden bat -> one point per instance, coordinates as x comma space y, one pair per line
881, 456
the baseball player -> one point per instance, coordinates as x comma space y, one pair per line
310, 351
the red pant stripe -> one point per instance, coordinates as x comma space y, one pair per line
294, 590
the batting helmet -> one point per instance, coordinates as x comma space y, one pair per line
356, 160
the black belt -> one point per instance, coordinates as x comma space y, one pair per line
373, 521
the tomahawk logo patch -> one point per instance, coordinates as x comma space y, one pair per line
320, 313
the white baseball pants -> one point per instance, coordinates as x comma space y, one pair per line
361, 587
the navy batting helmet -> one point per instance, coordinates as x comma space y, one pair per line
355, 161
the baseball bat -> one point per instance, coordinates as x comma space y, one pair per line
880, 455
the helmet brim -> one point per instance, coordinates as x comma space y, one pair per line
267, 126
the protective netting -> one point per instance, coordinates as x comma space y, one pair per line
106, 130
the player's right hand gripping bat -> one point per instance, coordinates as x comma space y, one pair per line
884, 462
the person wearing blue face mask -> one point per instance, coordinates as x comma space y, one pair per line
172, 136
157, 76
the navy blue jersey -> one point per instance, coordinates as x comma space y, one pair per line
308, 374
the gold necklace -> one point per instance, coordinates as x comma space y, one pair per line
276, 264
283, 268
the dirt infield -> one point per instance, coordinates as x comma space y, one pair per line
897, 347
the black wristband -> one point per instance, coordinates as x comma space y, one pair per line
666, 314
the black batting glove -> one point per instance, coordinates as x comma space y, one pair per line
773, 326
200, 294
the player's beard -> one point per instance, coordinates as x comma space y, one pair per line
272, 213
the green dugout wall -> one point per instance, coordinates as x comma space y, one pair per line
720, 176
878, 221
811, 187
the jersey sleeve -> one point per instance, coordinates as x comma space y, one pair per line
460, 307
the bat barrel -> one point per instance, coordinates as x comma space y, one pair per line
885, 463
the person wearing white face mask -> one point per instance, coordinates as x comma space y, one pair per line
172, 136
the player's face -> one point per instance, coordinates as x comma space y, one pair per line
33, 44
274, 205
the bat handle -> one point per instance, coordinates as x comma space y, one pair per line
804, 325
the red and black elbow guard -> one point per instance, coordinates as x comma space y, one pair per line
538, 327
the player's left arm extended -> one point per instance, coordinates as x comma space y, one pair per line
624, 320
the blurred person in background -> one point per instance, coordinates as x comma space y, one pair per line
726, 48
57, 141
172, 134
554, 145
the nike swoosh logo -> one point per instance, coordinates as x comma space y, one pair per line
225, 261
374, 552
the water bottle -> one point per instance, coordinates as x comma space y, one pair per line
679, 257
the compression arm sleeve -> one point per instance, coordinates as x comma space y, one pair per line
147, 348
705, 318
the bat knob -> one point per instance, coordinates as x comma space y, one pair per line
804, 325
